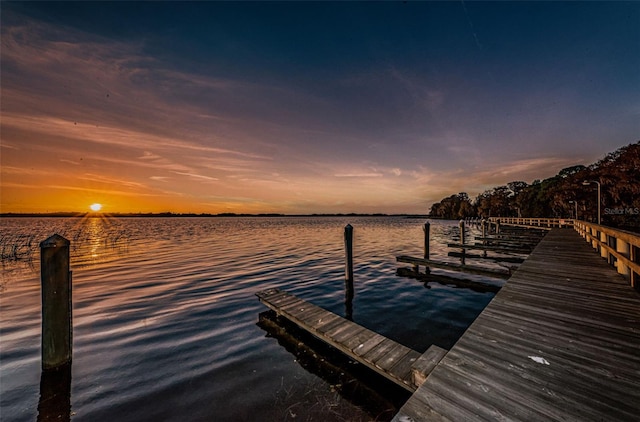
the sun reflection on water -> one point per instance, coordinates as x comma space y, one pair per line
95, 236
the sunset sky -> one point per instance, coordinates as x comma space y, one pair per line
301, 107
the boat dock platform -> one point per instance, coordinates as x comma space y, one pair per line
400, 364
471, 269
560, 341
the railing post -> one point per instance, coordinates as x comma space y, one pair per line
623, 248
603, 241
633, 276
55, 279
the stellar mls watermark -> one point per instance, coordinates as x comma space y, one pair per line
622, 211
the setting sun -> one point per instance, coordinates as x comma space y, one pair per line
95, 207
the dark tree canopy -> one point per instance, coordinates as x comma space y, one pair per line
559, 196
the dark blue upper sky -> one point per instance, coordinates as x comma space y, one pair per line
439, 96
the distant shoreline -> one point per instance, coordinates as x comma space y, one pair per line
183, 215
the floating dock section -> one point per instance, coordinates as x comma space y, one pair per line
471, 269
400, 364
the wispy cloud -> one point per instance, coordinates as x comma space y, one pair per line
358, 175
197, 176
103, 179
111, 136
101, 191
64, 160
526, 170
24, 171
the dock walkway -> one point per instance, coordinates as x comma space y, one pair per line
560, 341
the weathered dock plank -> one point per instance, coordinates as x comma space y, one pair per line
533, 238
502, 249
385, 356
426, 362
395, 355
404, 368
560, 341
374, 355
502, 258
364, 348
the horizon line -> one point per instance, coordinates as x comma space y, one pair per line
188, 214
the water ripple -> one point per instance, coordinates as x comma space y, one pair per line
165, 312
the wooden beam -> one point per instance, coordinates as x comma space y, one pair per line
506, 273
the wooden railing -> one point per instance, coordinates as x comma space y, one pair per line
620, 248
535, 222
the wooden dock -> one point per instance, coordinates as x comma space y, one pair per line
560, 341
400, 364
502, 249
471, 269
488, 286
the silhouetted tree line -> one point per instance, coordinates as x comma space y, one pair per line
618, 173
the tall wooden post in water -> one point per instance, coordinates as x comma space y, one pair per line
427, 236
484, 224
348, 271
56, 302
462, 242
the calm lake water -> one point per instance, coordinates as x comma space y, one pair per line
165, 324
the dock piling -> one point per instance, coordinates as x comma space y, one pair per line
56, 302
483, 226
348, 270
427, 237
462, 242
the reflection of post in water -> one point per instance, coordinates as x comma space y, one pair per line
354, 382
476, 286
55, 395
348, 301
348, 271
